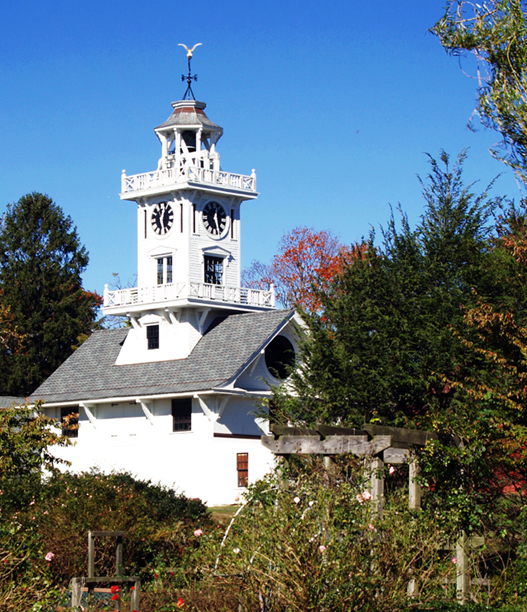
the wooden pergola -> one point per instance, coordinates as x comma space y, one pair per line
376, 445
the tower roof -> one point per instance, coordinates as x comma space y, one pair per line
189, 114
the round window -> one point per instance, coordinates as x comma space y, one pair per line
280, 357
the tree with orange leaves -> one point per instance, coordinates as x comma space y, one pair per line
381, 347
305, 264
502, 328
9, 333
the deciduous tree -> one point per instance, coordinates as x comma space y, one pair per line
306, 260
495, 32
41, 261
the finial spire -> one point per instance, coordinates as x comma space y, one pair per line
189, 94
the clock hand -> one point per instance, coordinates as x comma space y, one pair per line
216, 221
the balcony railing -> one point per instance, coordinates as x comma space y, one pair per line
188, 291
171, 176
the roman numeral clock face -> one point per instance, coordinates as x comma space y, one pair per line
214, 218
162, 218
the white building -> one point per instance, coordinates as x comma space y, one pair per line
172, 398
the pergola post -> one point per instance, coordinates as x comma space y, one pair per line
462, 569
414, 497
377, 484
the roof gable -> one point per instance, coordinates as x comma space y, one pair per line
217, 359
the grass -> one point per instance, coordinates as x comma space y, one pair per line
222, 514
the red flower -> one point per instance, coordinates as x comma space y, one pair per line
114, 589
180, 603
115, 597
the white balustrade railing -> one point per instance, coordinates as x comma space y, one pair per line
171, 176
181, 291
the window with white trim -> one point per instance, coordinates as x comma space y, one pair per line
213, 270
69, 418
164, 270
152, 336
182, 414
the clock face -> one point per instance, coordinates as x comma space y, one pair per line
214, 218
162, 218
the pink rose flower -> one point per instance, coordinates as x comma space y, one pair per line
322, 548
198, 533
49, 556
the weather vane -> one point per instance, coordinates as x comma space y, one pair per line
189, 94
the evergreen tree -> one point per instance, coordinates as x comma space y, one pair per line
41, 261
383, 346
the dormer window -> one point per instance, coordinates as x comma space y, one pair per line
152, 336
213, 270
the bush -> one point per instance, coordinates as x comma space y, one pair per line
311, 541
159, 525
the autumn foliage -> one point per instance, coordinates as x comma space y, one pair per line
306, 263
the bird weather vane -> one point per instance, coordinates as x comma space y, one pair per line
189, 94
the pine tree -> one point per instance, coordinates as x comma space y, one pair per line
384, 345
41, 261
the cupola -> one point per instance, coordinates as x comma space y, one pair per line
188, 138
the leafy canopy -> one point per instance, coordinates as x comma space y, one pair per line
305, 260
495, 32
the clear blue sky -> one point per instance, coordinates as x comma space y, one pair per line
334, 104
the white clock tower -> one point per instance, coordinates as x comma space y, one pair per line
188, 239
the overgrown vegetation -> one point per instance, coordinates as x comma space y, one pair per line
45, 515
304, 538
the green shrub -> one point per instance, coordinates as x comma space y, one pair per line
159, 525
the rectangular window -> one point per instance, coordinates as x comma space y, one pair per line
169, 270
145, 217
181, 217
213, 270
242, 467
152, 336
160, 271
193, 218
69, 418
232, 222
182, 414
164, 270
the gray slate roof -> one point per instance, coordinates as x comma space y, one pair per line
191, 115
7, 401
218, 359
